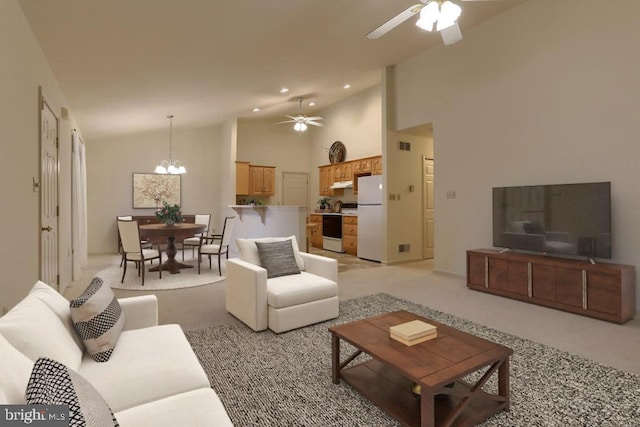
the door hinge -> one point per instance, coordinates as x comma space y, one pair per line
57, 210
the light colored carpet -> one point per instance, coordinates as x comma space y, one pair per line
187, 277
275, 380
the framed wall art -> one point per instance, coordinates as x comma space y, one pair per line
150, 190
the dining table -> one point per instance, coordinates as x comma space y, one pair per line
159, 233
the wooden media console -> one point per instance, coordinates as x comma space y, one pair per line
602, 290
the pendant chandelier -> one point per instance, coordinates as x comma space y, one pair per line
173, 167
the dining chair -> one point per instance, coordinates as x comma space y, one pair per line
132, 248
144, 243
209, 247
194, 241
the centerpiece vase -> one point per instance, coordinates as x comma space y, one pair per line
169, 223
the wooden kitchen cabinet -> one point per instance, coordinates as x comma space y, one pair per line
316, 231
376, 167
602, 290
326, 180
350, 234
262, 180
343, 171
362, 166
243, 180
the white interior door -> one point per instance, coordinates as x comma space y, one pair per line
295, 189
48, 196
428, 228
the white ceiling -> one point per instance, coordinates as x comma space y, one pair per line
124, 65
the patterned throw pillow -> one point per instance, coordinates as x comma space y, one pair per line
98, 318
52, 383
277, 258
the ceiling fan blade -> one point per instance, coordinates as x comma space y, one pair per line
286, 121
312, 123
315, 118
451, 35
395, 21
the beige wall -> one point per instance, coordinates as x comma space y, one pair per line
24, 68
404, 214
545, 93
356, 121
260, 142
111, 163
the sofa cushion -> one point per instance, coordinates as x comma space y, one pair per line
200, 407
60, 305
249, 251
287, 291
52, 383
98, 318
15, 369
35, 330
147, 364
277, 258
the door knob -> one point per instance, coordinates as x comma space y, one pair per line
46, 228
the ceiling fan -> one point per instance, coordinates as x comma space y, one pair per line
444, 14
301, 121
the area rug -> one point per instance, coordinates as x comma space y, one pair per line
188, 277
285, 380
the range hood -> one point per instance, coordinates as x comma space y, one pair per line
342, 184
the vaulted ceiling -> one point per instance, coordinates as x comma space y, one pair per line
123, 65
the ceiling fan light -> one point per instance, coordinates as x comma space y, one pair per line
443, 24
428, 16
449, 12
300, 127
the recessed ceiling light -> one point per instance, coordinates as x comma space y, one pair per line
284, 90
255, 110
311, 104
347, 86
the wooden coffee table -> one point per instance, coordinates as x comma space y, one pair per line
437, 366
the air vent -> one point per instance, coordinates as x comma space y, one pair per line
404, 248
405, 146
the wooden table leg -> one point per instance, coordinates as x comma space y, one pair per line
503, 382
427, 408
335, 358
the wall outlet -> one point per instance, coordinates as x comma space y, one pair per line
451, 194
392, 196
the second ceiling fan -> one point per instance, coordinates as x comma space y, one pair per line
301, 121
442, 14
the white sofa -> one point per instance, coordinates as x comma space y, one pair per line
153, 377
281, 303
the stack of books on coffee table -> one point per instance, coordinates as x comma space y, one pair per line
413, 332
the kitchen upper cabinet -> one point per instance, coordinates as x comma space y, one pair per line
377, 166
262, 180
326, 180
243, 184
343, 171
362, 166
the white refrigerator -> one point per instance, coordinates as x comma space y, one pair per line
370, 228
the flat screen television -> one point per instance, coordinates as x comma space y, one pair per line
564, 220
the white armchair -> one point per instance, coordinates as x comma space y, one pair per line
281, 303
